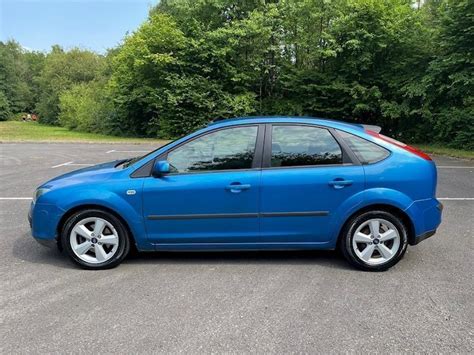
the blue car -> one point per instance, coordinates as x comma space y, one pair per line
261, 183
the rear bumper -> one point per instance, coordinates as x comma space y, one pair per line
426, 217
422, 237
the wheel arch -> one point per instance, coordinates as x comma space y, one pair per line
382, 207
78, 208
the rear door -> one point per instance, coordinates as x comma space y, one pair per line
306, 180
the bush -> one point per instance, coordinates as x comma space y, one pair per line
84, 107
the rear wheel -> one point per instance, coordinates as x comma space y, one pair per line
95, 239
374, 240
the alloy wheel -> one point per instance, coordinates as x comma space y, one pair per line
376, 241
94, 240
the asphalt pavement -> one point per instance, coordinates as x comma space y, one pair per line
259, 302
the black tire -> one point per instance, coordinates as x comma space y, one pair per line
346, 242
123, 238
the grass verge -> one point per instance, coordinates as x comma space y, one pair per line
450, 152
17, 131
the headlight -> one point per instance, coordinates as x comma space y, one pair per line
39, 192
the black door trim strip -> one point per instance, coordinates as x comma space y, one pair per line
204, 216
239, 215
295, 214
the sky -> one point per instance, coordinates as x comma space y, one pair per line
88, 24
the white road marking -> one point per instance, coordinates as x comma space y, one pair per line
57, 166
16, 198
127, 151
70, 163
456, 198
454, 167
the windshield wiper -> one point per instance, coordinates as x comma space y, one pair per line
130, 161
122, 161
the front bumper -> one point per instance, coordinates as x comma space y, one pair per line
43, 220
50, 243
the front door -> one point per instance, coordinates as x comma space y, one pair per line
306, 182
211, 194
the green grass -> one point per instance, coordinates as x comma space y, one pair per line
17, 131
450, 152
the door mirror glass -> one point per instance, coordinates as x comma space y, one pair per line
160, 168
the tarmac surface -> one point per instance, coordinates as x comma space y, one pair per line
270, 302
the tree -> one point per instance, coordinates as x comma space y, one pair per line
63, 69
407, 68
449, 83
5, 111
14, 86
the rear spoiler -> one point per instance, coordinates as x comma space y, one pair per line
373, 128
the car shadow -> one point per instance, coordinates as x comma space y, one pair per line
324, 258
28, 250
25, 248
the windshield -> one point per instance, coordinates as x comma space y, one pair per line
128, 162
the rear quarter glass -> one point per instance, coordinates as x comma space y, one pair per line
367, 152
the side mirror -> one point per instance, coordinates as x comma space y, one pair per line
160, 168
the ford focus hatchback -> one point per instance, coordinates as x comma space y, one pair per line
248, 184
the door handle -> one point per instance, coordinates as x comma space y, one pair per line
236, 187
340, 183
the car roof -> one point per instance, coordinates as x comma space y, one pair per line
286, 119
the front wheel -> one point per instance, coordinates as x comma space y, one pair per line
374, 240
95, 239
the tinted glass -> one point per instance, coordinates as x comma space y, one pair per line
232, 148
304, 145
366, 151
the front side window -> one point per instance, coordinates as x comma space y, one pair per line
303, 145
366, 151
227, 149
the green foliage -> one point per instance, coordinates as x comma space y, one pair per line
18, 72
449, 82
61, 71
5, 111
84, 106
407, 67
166, 84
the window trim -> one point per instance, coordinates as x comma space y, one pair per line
349, 152
256, 162
348, 157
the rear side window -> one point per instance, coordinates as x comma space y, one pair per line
366, 151
303, 145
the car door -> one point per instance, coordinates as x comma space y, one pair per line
211, 193
306, 180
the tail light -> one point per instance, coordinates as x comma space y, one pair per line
399, 144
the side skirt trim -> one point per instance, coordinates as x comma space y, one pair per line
242, 246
